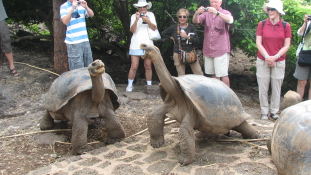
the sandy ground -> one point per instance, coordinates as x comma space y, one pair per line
24, 148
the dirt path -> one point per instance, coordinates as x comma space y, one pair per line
21, 108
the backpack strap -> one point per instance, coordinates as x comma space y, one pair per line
264, 21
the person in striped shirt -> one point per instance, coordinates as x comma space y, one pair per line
73, 14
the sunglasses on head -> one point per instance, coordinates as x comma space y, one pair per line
182, 16
271, 9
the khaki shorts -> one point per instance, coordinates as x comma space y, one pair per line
217, 65
5, 38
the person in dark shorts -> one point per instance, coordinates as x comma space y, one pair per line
5, 40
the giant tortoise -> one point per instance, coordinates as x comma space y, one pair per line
196, 102
79, 94
290, 143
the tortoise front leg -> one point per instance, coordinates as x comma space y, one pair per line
187, 142
79, 134
46, 122
247, 131
114, 127
155, 126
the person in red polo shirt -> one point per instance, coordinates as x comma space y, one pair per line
272, 40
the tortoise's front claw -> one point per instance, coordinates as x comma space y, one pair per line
156, 143
185, 160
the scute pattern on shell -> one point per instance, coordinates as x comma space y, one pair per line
70, 83
291, 140
217, 104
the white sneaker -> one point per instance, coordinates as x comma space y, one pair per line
264, 117
129, 88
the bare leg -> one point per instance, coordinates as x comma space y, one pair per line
9, 57
301, 88
226, 80
148, 69
134, 66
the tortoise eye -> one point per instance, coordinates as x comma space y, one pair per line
93, 64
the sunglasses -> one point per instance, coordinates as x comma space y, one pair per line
182, 16
271, 9
143, 7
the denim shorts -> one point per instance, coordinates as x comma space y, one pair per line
79, 55
137, 52
5, 38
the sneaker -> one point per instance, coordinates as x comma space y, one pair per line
264, 116
274, 116
129, 88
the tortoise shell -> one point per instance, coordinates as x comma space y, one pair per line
291, 140
71, 83
214, 101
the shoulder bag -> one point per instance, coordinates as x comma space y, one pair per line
154, 34
184, 56
304, 56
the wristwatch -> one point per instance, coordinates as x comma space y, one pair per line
217, 13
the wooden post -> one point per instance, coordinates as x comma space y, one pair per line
60, 49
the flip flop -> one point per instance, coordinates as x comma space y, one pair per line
14, 72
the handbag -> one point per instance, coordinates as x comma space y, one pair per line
304, 56
154, 34
184, 56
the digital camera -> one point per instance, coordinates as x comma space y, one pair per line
79, 2
205, 9
142, 15
309, 17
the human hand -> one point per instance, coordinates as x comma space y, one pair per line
83, 3
74, 4
271, 61
184, 34
306, 18
200, 10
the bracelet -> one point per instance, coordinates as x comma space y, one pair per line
267, 56
277, 55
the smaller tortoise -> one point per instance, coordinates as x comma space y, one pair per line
196, 102
290, 144
79, 94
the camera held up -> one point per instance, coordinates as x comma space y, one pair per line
205, 9
142, 15
309, 17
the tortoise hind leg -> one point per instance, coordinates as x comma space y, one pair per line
46, 122
79, 134
247, 131
187, 142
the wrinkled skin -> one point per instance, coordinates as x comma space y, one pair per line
186, 102
290, 143
94, 102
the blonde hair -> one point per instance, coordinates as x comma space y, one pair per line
183, 10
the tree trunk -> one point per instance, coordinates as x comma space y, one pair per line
60, 50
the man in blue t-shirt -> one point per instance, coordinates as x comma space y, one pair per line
73, 14
5, 40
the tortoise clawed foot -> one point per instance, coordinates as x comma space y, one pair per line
112, 140
82, 150
253, 136
156, 143
185, 160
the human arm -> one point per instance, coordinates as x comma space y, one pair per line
302, 28
134, 18
66, 19
89, 11
195, 18
227, 18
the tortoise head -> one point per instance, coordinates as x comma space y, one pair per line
96, 68
151, 52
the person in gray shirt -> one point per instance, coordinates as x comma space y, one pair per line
5, 40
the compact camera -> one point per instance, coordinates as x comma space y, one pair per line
309, 17
205, 9
142, 15
79, 2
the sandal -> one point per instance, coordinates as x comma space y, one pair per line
14, 72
